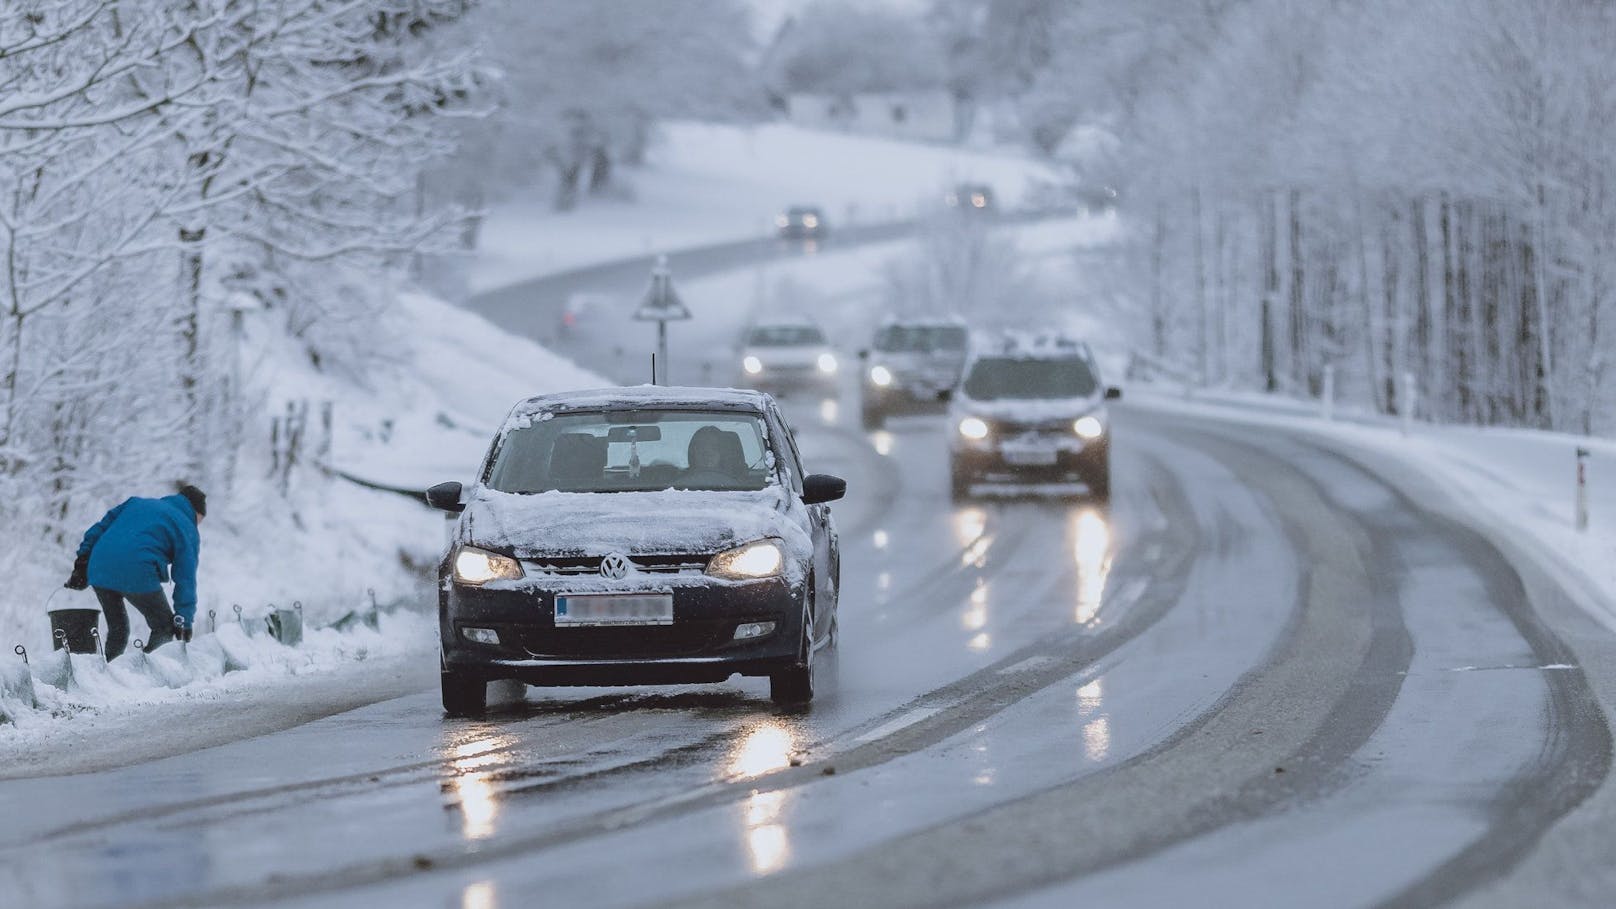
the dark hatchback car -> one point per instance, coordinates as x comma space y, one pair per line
639, 536
800, 222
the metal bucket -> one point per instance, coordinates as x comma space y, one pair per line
76, 628
286, 625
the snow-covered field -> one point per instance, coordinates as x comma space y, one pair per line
709, 183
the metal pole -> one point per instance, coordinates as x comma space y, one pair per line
1327, 400
1582, 489
662, 347
1409, 401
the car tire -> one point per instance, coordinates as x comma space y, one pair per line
793, 687
464, 695
959, 484
1100, 488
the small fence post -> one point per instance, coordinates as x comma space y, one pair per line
1327, 397
1582, 489
1410, 400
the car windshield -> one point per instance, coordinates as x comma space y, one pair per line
785, 336
634, 451
920, 338
1029, 379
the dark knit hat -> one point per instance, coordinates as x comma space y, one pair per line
198, 499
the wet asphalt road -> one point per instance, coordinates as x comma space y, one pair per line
1264, 678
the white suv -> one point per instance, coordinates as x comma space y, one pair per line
1031, 409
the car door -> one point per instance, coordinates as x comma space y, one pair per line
821, 529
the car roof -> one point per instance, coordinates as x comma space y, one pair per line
923, 322
1031, 345
635, 397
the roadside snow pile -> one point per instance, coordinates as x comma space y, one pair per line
709, 183
1519, 483
240, 656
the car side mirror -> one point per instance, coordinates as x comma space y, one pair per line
1113, 393
446, 497
864, 355
819, 488
945, 395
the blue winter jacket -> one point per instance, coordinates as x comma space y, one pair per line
132, 548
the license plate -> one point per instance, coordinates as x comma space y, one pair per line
1029, 457
583, 610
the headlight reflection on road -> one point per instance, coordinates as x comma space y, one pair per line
474, 790
828, 411
765, 747
976, 613
768, 845
1092, 549
480, 895
970, 529
882, 440
1096, 725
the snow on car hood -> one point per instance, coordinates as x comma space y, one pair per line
667, 522
1030, 410
806, 355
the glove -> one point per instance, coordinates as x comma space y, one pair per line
80, 578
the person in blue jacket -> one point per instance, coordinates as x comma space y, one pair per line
127, 555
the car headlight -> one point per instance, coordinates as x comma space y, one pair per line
973, 428
475, 567
782, 221
761, 559
752, 365
827, 363
1089, 428
809, 221
881, 376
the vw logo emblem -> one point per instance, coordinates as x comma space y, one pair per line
614, 566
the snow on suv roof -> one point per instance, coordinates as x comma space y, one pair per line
925, 321
1033, 345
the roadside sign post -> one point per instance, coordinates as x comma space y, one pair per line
1582, 489
1327, 395
661, 304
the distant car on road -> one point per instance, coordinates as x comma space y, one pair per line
910, 362
1031, 409
639, 536
971, 198
788, 355
800, 222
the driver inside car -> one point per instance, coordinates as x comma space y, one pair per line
714, 456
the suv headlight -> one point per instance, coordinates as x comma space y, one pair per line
761, 559
826, 363
973, 428
1088, 428
752, 365
881, 376
475, 567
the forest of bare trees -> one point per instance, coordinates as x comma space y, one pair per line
1417, 199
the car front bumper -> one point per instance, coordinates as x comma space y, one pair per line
1071, 459
698, 647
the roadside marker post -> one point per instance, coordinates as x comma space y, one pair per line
661, 304
1582, 489
1408, 402
1327, 397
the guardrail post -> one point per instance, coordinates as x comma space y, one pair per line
1327, 396
1582, 489
1407, 402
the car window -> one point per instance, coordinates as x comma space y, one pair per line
920, 338
628, 451
785, 336
995, 378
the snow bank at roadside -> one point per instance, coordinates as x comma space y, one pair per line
1520, 482
709, 183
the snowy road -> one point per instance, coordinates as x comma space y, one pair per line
1265, 679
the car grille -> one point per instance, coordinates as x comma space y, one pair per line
683, 563
1019, 427
640, 641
